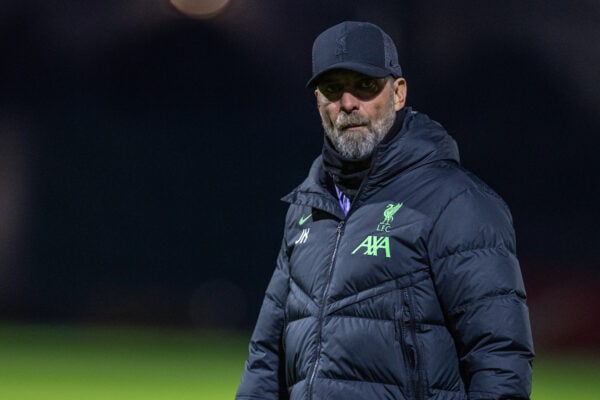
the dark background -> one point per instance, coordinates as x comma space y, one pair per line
143, 152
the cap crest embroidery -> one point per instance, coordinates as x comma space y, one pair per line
341, 46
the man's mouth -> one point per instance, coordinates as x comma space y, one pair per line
351, 122
351, 126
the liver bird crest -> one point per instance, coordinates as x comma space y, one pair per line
389, 212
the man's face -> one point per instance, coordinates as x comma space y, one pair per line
357, 110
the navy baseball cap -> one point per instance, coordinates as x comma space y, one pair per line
356, 46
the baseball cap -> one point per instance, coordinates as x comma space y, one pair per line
356, 46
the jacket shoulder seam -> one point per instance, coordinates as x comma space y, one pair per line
439, 215
471, 189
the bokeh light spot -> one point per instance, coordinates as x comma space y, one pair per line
200, 8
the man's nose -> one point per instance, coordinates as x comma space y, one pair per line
348, 102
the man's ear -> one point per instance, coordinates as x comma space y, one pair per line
320, 99
400, 89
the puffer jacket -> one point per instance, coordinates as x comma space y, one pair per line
415, 294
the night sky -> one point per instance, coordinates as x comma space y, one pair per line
145, 152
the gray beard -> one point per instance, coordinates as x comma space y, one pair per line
357, 145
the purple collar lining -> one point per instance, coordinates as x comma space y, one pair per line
344, 200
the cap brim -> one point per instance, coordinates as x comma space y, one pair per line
366, 69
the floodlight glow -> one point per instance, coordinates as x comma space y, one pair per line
200, 8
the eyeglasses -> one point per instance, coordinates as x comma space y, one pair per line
363, 88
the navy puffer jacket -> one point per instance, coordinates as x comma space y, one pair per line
415, 294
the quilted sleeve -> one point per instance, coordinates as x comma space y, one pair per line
263, 376
480, 287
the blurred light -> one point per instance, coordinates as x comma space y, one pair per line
200, 8
15, 207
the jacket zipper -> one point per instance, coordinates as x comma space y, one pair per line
416, 364
313, 374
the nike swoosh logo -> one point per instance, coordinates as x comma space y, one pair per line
302, 220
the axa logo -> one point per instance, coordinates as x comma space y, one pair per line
388, 217
303, 236
372, 244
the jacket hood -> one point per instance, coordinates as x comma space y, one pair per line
420, 141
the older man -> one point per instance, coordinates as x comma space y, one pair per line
397, 276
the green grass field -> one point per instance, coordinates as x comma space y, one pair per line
89, 363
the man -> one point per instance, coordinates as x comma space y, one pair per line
397, 276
